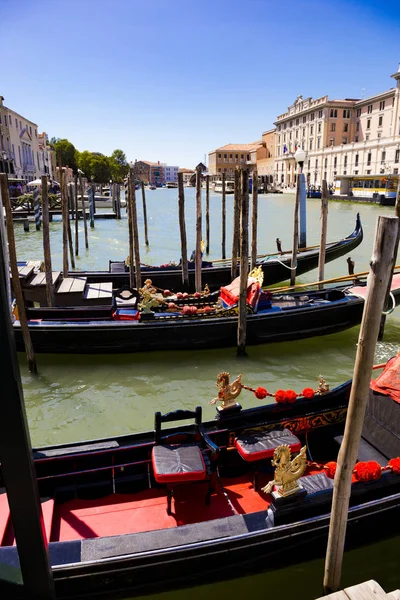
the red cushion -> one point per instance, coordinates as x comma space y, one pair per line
257, 446
253, 294
230, 294
173, 464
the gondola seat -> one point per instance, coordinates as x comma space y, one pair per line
229, 294
256, 446
183, 457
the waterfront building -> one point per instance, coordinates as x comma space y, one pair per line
266, 165
227, 158
170, 174
45, 157
343, 138
19, 144
149, 172
187, 175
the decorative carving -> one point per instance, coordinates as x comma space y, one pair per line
228, 392
149, 297
323, 387
287, 471
257, 274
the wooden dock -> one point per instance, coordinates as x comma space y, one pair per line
24, 214
369, 590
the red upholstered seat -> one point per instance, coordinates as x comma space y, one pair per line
174, 464
258, 446
229, 294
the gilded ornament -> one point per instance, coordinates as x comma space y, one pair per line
287, 471
228, 392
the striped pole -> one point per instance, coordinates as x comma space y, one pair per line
91, 206
37, 208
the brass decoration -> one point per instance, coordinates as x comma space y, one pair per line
228, 392
287, 471
150, 297
206, 290
323, 387
257, 274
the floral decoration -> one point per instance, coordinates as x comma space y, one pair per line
367, 471
330, 468
394, 465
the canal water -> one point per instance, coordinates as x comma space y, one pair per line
81, 397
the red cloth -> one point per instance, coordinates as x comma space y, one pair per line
230, 294
388, 382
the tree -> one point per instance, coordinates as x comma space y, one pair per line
67, 151
100, 169
84, 161
119, 166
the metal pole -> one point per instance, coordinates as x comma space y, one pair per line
303, 211
381, 267
324, 225
17, 463
295, 236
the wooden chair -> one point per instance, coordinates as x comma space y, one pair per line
182, 457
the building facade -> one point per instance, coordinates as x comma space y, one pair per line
266, 165
227, 158
19, 143
170, 174
342, 138
187, 176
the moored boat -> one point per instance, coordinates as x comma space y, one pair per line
229, 187
124, 513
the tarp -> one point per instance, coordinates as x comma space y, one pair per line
388, 382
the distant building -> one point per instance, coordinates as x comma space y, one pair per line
19, 144
187, 175
266, 164
227, 158
45, 157
149, 172
170, 174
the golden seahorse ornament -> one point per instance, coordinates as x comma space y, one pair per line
228, 392
287, 471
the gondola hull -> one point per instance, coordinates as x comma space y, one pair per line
164, 333
275, 269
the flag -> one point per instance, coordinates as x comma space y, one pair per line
284, 149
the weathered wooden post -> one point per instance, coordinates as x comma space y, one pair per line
198, 258
182, 227
25, 223
5, 254
70, 242
254, 220
223, 216
134, 254
83, 211
17, 466
118, 201
91, 205
64, 210
128, 196
46, 244
324, 228
382, 262
207, 214
295, 237
146, 236
15, 276
244, 262
36, 207
388, 298
236, 225
75, 196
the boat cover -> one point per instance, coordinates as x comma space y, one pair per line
388, 382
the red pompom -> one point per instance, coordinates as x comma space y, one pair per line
208, 309
330, 468
308, 393
179, 295
291, 396
367, 471
185, 295
394, 464
280, 396
166, 293
172, 306
197, 295
261, 393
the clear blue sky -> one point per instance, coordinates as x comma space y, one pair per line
173, 80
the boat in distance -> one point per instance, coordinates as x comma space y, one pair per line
125, 514
275, 267
192, 323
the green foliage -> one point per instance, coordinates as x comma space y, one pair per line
84, 163
100, 169
28, 198
119, 166
67, 151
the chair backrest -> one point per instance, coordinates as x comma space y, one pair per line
176, 415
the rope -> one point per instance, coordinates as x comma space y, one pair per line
388, 312
282, 263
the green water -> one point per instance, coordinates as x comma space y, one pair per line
81, 397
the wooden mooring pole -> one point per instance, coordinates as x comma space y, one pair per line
146, 235
223, 216
118, 201
381, 268
68, 192
324, 229
128, 194
254, 220
244, 261
207, 214
75, 196
295, 234
83, 212
15, 276
182, 228
134, 229
198, 258
46, 244
64, 210
17, 466
236, 225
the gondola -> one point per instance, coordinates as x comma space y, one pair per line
179, 506
275, 268
197, 324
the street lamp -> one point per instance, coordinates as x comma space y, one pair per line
300, 157
4, 157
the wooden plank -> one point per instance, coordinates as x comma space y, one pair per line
40, 278
65, 286
395, 595
25, 271
105, 289
369, 590
335, 596
78, 284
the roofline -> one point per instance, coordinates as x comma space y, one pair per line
21, 116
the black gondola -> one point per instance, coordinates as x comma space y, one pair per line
87, 330
107, 514
275, 268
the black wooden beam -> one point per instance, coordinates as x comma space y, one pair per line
17, 462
